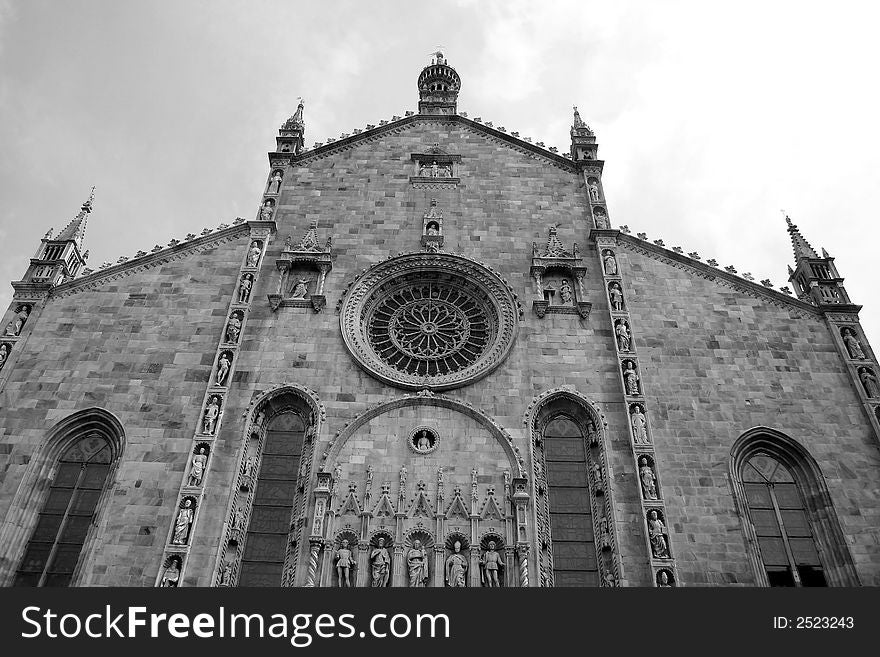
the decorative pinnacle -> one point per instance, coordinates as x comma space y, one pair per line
801, 246
75, 231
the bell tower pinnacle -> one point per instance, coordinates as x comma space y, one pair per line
438, 87
59, 258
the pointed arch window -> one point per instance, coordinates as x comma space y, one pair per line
788, 518
570, 512
55, 547
266, 544
776, 509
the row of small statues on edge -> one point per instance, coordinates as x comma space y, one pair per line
455, 570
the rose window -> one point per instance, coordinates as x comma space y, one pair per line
429, 329
429, 321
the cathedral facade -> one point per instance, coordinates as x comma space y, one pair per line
429, 359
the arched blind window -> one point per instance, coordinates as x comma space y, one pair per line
782, 527
265, 547
54, 548
571, 519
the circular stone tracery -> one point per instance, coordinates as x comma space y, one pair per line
433, 321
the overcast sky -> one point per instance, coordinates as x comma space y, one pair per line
711, 120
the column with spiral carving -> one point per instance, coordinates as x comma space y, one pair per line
521, 504
316, 535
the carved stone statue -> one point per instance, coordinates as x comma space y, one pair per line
431, 229
212, 412
423, 443
417, 561
225, 573
4, 354
197, 470
233, 328
266, 211
610, 263
631, 379
244, 289
253, 257
424, 170
491, 563
663, 580
853, 346
565, 292
435, 169
380, 562
171, 576
300, 290
616, 295
183, 523
657, 534
223, 364
601, 218
456, 568
344, 564
274, 186
648, 479
14, 327
594, 191
869, 381
640, 426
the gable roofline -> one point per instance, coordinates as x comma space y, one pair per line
174, 251
326, 149
712, 273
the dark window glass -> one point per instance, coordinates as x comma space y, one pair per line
265, 547
54, 548
777, 512
571, 517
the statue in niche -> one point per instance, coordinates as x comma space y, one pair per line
616, 295
182, 523
423, 442
565, 292
417, 561
435, 169
301, 289
4, 354
648, 479
197, 469
657, 534
432, 229
491, 563
446, 171
253, 257
401, 482
869, 381
594, 190
605, 536
610, 263
244, 289
171, 576
601, 218
380, 562
223, 364
344, 564
456, 568
639, 425
212, 412
233, 328
238, 520
14, 327
267, 210
424, 170
853, 346
274, 186
225, 573
631, 379
663, 580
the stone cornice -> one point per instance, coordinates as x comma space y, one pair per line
375, 133
706, 271
149, 260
